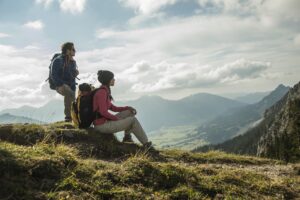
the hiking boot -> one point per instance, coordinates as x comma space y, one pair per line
127, 138
149, 146
68, 120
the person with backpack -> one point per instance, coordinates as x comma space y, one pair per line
63, 72
124, 120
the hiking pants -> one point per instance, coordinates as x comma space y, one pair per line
128, 123
69, 97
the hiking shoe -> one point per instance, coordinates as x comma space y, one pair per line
67, 119
149, 147
127, 138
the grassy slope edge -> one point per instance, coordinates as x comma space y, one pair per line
59, 162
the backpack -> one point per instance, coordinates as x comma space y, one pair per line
50, 80
82, 113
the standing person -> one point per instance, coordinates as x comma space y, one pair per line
124, 120
63, 74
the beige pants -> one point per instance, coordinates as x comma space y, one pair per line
69, 97
127, 123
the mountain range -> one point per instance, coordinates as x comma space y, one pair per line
276, 136
50, 112
252, 97
154, 112
238, 120
7, 118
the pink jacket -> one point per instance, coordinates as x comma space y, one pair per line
102, 103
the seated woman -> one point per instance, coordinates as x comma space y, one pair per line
124, 120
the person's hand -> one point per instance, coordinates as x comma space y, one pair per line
60, 89
132, 110
76, 72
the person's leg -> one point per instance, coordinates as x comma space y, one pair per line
129, 125
69, 97
126, 113
138, 131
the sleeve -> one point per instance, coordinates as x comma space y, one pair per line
102, 107
55, 73
74, 68
118, 109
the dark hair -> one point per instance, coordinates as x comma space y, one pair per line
104, 77
66, 46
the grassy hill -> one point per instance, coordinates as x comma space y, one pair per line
56, 161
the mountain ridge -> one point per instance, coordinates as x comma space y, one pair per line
276, 136
154, 112
229, 124
7, 118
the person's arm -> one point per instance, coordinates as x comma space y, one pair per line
75, 71
101, 105
55, 73
117, 108
120, 109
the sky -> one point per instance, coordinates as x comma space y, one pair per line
170, 48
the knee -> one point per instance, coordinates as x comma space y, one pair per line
129, 113
132, 119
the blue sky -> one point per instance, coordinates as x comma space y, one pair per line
170, 48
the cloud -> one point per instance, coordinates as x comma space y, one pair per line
4, 35
37, 25
194, 37
22, 66
287, 10
297, 40
270, 12
46, 3
31, 47
19, 96
6, 78
73, 6
228, 6
166, 76
147, 7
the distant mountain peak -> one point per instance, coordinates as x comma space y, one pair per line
281, 86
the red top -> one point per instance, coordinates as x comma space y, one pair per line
102, 103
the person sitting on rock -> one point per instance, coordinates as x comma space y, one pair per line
124, 120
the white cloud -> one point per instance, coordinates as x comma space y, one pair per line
297, 40
270, 12
37, 25
4, 35
147, 7
31, 47
73, 6
6, 78
166, 76
22, 95
287, 10
22, 67
196, 36
46, 3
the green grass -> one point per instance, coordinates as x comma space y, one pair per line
49, 168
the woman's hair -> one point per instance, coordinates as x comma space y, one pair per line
66, 46
104, 77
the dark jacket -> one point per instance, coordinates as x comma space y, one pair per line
63, 73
